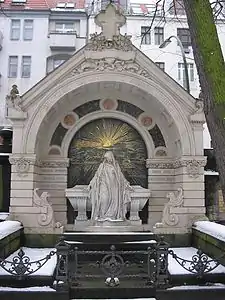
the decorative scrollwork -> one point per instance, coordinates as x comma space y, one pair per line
112, 264
21, 266
200, 264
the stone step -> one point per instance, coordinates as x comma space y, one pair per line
108, 237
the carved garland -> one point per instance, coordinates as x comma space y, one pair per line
98, 42
110, 64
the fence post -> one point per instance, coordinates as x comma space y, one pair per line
62, 267
162, 273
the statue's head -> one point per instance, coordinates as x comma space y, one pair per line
109, 157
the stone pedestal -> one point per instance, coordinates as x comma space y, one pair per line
78, 197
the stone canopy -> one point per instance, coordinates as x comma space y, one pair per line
112, 71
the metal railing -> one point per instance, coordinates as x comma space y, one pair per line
112, 265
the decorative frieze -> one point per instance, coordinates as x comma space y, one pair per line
54, 164
193, 166
110, 64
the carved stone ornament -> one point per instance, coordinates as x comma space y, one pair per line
13, 100
53, 164
46, 213
22, 165
193, 165
99, 42
110, 64
169, 218
199, 104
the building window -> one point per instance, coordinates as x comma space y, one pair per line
161, 65
26, 66
15, 30
184, 36
57, 63
28, 30
159, 35
13, 66
64, 27
146, 35
181, 72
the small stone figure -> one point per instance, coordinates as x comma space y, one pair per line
14, 100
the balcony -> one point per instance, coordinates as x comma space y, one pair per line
1, 40
62, 41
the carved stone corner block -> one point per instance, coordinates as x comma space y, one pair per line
194, 166
14, 114
22, 163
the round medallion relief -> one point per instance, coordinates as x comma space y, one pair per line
108, 104
69, 120
146, 121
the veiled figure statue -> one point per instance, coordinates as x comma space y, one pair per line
109, 191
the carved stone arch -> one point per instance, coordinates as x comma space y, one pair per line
108, 114
161, 95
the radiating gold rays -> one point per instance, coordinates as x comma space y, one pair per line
106, 135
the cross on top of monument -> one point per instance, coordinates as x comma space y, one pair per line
110, 20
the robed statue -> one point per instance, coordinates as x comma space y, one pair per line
109, 191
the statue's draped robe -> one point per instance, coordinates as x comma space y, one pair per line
109, 193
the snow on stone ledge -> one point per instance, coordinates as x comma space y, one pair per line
28, 289
211, 228
8, 227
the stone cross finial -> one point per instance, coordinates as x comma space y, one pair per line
110, 21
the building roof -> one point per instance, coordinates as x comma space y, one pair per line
41, 4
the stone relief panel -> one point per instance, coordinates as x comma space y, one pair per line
46, 213
169, 218
110, 64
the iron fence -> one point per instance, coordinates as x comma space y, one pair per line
21, 265
73, 265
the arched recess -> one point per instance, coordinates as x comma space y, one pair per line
89, 144
108, 114
156, 91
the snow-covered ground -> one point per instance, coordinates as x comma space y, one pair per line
211, 228
35, 254
8, 227
187, 253
28, 289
